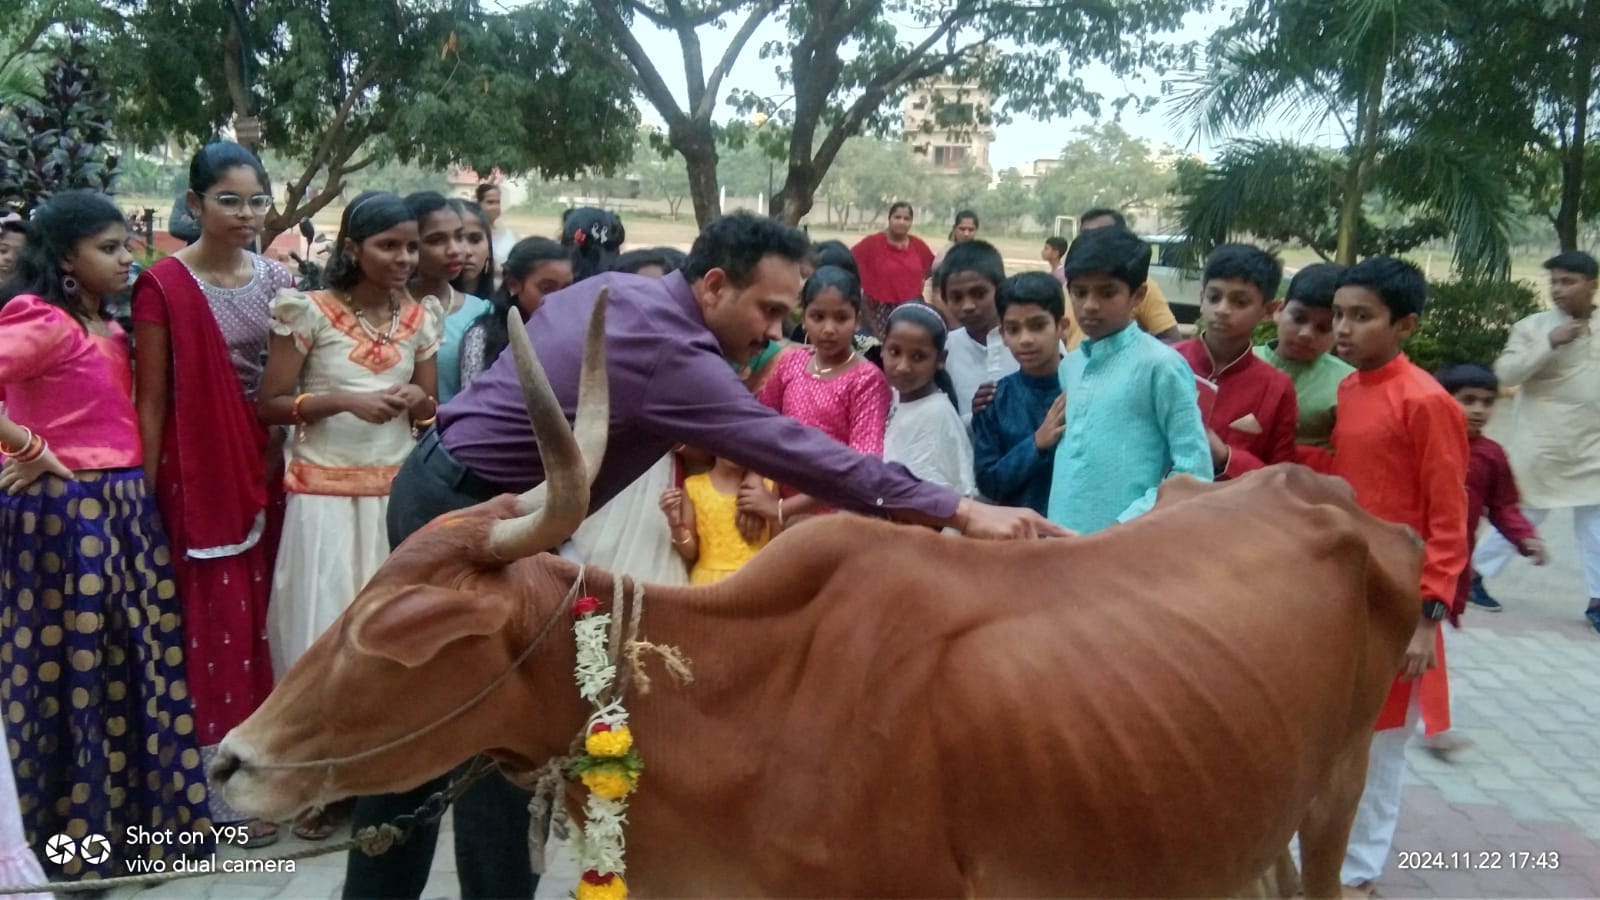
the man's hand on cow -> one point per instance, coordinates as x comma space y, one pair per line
1567, 332
983, 397
1534, 550
1055, 422
1420, 656
980, 520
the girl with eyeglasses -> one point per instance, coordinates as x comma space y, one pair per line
200, 328
102, 732
352, 369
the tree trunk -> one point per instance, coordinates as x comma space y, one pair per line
1570, 210
698, 146
1369, 110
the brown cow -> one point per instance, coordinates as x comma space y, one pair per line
882, 710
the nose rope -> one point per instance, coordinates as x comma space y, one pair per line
332, 762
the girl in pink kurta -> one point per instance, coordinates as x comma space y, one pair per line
99, 720
827, 385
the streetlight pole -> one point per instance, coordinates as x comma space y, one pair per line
769, 185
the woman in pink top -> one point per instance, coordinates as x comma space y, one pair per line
827, 385
894, 263
102, 733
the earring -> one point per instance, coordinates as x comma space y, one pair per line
69, 284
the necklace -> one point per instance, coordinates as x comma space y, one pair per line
383, 337
819, 371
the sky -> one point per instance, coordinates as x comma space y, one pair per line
1017, 143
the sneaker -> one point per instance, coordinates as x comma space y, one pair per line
1479, 596
1593, 615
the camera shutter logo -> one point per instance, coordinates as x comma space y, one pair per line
95, 849
60, 849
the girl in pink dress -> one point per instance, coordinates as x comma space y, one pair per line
101, 727
827, 385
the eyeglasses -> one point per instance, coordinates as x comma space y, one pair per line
233, 203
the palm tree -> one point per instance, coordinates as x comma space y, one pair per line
1350, 63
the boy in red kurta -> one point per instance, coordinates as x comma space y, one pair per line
1401, 442
1491, 488
1252, 421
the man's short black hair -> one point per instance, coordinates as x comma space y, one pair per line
1398, 283
972, 256
1468, 375
1039, 289
1058, 244
1574, 261
737, 243
1102, 212
1247, 263
1314, 285
1113, 251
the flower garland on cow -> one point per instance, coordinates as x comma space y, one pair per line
609, 766
609, 660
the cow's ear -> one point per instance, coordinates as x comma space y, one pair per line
411, 625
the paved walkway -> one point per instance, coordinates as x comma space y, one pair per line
1525, 689
1515, 815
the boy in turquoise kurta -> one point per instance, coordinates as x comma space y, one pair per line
1305, 335
1133, 413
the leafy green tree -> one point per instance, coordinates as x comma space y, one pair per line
59, 139
1287, 193
660, 176
847, 63
1009, 203
1526, 82
341, 85
1103, 166
1348, 62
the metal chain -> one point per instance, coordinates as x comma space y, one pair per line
373, 840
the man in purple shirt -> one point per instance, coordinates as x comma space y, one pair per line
672, 345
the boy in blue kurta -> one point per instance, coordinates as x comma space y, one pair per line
1133, 413
1014, 438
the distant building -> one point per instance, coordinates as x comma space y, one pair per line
949, 123
1033, 171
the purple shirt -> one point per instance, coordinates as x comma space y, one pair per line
670, 384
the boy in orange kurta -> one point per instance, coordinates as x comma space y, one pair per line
1401, 442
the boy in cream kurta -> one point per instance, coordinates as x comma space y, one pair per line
1553, 437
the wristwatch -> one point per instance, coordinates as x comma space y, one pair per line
1435, 610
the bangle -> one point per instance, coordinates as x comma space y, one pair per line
26, 442
424, 423
33, 451
688, 536
780, 513
299, 417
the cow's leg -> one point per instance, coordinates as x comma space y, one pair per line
1325, 832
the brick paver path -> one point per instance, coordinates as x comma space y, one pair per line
1525, 689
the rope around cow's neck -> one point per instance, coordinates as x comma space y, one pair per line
544, 630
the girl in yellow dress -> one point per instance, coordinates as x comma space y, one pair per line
704, 529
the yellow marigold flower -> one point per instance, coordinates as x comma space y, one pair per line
608, 784
614, 888
616, 742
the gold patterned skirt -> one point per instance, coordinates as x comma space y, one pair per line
98, 716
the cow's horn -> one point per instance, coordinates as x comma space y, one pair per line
552, 511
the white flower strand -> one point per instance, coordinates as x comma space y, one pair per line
602, 845
594, 670
612, 714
